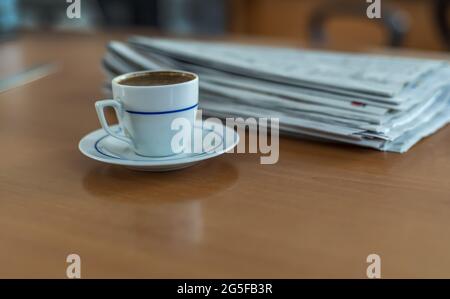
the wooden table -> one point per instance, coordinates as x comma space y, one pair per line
319, 212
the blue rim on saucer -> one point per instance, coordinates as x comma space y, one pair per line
100, 146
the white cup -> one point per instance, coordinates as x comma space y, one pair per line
145, 113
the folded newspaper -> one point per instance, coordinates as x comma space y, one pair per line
382, 102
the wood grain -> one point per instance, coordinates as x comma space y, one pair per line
317, 213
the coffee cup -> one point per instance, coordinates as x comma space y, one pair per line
146, 104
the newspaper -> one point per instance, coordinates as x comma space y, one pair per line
372, 74
382, 102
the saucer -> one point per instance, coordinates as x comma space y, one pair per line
100, 146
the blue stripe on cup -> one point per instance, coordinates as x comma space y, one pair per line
161, 112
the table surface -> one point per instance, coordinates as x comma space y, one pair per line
319, 212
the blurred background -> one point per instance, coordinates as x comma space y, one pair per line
417, 24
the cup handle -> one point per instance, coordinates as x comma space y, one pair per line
100, 108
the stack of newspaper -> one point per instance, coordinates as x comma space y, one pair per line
382, 102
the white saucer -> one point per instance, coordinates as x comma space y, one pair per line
100, 146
